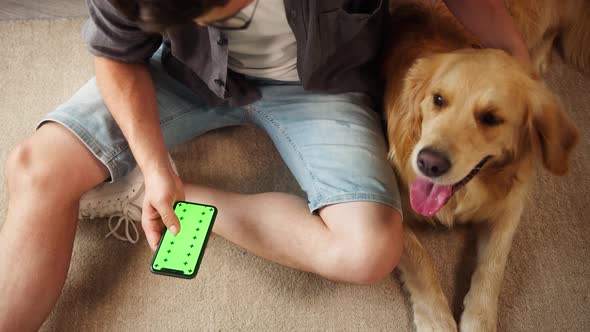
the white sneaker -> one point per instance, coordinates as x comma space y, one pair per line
120, 201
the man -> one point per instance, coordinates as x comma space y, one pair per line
303, 71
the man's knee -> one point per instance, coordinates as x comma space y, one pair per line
27, 171
367, 263
366, 258
21, 170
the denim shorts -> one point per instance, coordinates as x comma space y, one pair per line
333, 143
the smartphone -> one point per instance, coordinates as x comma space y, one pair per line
180, 255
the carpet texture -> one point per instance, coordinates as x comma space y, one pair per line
109, 286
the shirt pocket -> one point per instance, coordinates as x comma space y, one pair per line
355, 26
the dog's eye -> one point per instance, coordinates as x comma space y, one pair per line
490, 120
438, 100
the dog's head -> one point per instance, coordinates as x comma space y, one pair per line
464, 110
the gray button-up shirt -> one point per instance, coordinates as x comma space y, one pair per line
337, 46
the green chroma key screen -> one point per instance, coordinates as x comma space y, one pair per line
180, 255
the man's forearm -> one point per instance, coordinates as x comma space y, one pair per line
129, 94
491, 22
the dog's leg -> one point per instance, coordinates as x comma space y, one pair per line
431, 308
494, 241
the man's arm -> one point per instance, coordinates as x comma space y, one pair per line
490, 21
129, 94
128, 91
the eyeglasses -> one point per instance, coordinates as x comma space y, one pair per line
240, 21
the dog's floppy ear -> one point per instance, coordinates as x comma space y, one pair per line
552, 130
417, 80
404, 125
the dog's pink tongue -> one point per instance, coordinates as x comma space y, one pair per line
428, 198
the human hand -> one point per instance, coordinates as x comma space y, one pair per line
162, 188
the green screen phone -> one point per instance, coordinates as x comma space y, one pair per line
180, 255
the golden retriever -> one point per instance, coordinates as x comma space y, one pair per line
464, 126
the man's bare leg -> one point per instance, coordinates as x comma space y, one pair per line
357, 242
47, 174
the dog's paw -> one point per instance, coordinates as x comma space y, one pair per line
434, 321
478, 321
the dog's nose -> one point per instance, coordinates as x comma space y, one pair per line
433, 163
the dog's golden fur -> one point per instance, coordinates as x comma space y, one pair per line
428, 54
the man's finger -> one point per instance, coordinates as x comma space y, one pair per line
168, 217
152, 227
153, 232
153, 239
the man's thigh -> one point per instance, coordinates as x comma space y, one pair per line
332, 143
182, 116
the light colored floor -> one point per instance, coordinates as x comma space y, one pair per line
30, 9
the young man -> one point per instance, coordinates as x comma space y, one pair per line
303, 71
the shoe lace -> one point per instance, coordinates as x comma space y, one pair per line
129, 224
120, 213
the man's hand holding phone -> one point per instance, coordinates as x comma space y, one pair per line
163, 187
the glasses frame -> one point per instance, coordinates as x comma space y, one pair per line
246, 23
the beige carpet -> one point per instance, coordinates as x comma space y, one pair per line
109, 286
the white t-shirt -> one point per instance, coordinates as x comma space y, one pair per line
267, 49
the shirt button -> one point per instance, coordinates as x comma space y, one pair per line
222, 41
219, 82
